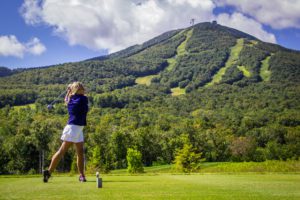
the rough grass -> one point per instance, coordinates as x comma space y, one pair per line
271, 166
164, 186
234, 55
246, 73
32, 106
265, 74
177, 91
259, 167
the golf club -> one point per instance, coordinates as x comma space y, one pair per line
50, 106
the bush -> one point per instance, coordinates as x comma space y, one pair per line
134, 161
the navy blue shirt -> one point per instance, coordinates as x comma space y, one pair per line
78, 108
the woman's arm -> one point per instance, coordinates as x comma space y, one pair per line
67, 97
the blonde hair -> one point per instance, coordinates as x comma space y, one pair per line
77, 88
73, 89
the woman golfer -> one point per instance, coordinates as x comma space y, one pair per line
77, 104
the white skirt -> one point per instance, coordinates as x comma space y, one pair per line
72, 133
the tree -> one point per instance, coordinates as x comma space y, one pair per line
186, 159
243, 149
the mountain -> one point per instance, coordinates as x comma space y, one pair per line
5, 71
203, 55
230, 95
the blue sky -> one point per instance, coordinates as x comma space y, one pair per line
45, 32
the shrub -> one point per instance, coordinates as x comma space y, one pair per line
134, 161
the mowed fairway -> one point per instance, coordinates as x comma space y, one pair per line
163, 186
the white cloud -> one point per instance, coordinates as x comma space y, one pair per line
35, 47
114, 24
247, 25
10, 46
278, 14
117, 24
31, 11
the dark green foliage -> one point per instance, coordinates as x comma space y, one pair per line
196, 70
17, 97
233, 74
208, 37
251, 58
285, 67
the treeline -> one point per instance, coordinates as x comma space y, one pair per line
17, 97
224, 123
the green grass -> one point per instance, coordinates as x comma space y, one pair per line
234, 55
265, 74
165, 186
270, 180
243, 69
177, 91
146, 80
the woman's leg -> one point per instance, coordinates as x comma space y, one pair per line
58, 155
80, 157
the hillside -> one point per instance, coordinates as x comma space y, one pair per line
230, 95
174, 60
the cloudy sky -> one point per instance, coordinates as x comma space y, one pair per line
45, 32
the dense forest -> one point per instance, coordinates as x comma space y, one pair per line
241, 103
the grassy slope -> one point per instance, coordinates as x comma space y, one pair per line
246, 73
171, 63
180, 51
205, 186
177, 91
234, 55
265, 74
146, 80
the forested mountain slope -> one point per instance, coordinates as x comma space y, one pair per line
230, 95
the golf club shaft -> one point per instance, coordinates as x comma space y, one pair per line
57, 98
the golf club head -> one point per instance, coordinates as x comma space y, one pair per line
50, 107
